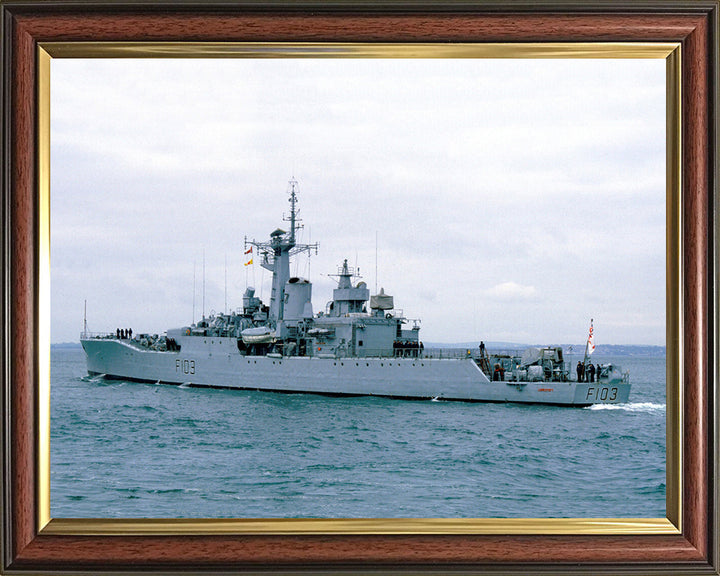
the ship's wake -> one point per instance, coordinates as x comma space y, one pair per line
630, 407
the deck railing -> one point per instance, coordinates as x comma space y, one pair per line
98, 335
434, 353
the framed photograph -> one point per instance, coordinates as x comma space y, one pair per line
136, 81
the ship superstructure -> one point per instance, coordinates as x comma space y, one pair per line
360, 344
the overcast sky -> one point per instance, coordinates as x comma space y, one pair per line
511, 200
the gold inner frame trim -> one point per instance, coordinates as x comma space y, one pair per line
384, 526
673, 292
353, 50
43, 276
586, 526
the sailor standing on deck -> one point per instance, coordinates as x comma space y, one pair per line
580, 371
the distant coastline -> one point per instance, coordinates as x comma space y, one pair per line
577, 349
644, 350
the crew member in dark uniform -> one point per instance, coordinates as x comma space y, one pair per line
591, 369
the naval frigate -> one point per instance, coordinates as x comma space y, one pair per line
360, 345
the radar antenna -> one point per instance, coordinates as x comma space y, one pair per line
345, 273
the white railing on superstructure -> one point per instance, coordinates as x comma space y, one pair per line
434, 353
99, 335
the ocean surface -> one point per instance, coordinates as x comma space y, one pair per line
129, 450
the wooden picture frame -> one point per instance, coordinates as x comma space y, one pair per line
30, 545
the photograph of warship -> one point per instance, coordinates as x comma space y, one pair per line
360, 345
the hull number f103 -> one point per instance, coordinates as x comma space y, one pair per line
601, 393
185, 366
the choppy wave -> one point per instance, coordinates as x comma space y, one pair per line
630, 407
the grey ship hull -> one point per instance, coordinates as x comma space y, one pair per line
216, 362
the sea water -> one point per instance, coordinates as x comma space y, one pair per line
122, 449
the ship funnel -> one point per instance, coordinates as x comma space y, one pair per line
298, 294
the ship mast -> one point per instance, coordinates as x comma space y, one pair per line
293, 209
277, 252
